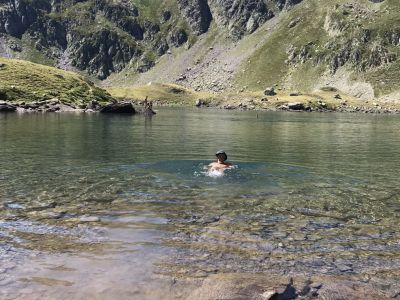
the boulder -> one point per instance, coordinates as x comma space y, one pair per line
269, 91
7, 108
293, 23
165, 16
296, 106
200, 103
119, 108
93, 104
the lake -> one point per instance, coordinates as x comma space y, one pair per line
97, 206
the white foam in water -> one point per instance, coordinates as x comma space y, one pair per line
215, 173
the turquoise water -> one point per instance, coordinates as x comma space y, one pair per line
127, 198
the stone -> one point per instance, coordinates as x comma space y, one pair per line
293, 23
269, 91
89, 219
119, 108
165, 16
92, 104
344, 268
295, 94
296, 106
200, 103
337, 96
322, 104
7, 108
268, 295
251, 25
316, 285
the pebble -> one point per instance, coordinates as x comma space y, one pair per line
316, 285
89, 219
14, 205
6, 282
268, 295
344, 268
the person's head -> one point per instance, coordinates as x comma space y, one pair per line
221, 155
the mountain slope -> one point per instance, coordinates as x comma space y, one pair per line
214, 45
105, 36
354, 46
22, 81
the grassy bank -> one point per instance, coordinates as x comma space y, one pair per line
174, 95
22, 81
162, 94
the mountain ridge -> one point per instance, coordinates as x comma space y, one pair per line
217, 46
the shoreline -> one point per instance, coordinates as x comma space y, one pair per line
271, 99
138, 107
57, 106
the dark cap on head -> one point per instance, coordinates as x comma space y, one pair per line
222, 152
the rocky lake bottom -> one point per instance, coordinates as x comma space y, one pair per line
99, 206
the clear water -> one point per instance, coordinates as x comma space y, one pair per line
94, 206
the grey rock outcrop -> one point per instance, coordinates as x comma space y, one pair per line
177, 37
16, 17
105, 36
197, 13
240, 16
101, 53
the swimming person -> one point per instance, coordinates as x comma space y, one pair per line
221, 163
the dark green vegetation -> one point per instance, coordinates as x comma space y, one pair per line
22, 81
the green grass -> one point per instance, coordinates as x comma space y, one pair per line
268, 65
163, 94
26, 81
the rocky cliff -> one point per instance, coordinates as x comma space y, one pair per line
214, 45
105, 36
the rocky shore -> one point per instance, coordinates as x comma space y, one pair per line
51, 106
301, 107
